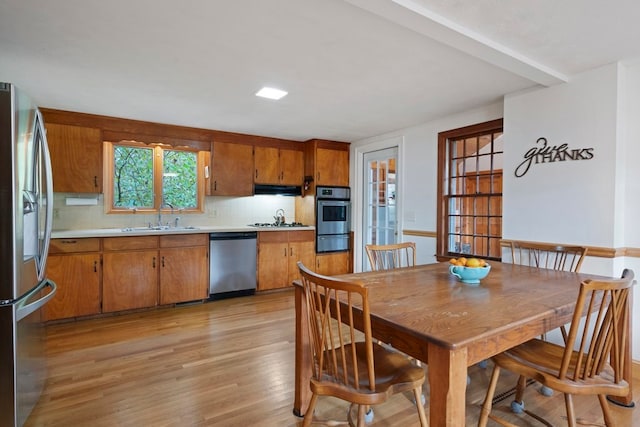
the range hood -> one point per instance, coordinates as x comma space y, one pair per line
277, 190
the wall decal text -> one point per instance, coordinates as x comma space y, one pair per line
545, 153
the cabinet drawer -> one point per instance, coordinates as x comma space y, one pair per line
63, 246
123, 243
182, 240
273, 236
302, 236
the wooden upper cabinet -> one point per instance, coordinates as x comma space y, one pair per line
292, 167
267, 165
279, 166
327, 162
231, 170
76, 158
332, 167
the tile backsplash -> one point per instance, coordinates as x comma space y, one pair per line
232, 211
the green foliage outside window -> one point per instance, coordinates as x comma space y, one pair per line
133, 178
179, 179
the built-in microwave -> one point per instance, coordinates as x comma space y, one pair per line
333, 219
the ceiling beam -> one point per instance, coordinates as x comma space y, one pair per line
416, 17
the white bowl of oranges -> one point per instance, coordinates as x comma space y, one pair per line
469, 270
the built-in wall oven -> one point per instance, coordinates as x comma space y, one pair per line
333, 219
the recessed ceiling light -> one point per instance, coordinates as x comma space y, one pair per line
271, 93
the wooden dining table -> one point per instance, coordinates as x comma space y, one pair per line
427, 313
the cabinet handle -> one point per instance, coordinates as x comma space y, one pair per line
163, 261
256, 173
285, 251
318, 176
95, 181
95, 266
290, 251
215, 185
154, 262
69, 242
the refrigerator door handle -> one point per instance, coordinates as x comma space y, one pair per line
49, 194
23, 309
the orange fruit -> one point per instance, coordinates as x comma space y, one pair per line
462, 260
474, 262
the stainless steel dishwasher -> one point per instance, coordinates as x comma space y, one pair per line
232, 264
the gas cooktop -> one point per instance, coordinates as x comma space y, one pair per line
275, 225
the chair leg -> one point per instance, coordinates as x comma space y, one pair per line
308, 417
606, 413
517, 406
362, 410
571, 413
417, 395
486, 406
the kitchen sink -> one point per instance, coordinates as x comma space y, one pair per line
158, 228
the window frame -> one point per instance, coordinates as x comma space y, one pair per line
444, 159
158, 150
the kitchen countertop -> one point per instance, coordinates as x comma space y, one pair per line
144, 231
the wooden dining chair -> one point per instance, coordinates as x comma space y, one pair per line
387, 257
347, 363
550, 256
592, 360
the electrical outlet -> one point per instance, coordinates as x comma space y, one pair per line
56, 213
213, 213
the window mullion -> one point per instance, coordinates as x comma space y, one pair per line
158, 154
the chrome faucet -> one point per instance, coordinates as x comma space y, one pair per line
160, 212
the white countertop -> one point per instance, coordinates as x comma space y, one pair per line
143, 231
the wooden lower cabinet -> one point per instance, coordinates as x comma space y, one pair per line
278, 254
300, 249
332, 264
184, 268
130, 280
74, 265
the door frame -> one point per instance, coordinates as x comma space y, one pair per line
357, 200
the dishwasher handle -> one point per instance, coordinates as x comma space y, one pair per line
233, 235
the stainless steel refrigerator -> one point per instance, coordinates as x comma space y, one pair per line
26, 207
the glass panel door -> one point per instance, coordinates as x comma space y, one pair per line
380, 199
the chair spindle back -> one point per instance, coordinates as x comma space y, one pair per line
388, 257
335, 338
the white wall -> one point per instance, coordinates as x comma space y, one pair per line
570, 201
586, 202
631, 132
590, 202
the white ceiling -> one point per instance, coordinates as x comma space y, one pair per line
353, 68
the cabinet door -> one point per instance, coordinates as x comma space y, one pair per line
332, 167
76, 158
292, 167
273, 259
78, 280
300, 251
232, 169
333, 264
184, 274
267, 165
130, 280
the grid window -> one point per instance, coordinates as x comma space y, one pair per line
470, 190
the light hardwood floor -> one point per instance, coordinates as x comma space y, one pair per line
223, 363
